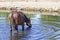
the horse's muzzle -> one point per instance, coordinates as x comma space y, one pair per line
30, 26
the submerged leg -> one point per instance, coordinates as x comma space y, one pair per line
23, 27
16, 23
10, 24
9, 21
10, 27
16, 27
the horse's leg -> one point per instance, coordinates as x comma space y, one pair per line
16, 23
10, 27
9, 20
16, 27
23, 27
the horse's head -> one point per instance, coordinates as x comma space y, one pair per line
28, 23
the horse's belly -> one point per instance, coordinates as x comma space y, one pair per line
20, 22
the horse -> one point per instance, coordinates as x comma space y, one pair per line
18, 18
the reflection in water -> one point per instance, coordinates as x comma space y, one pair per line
17, 35
43, 28
53, 23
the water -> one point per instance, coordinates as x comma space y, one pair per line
43, 28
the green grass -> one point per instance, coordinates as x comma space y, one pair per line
5, 14
29, 15
50, 18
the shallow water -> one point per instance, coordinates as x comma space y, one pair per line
43, 28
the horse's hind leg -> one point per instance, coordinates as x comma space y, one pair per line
16, 27
9, 20
10, 27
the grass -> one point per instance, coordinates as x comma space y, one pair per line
50, 18
5, 14
29, 15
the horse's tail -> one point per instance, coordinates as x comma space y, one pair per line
12, 18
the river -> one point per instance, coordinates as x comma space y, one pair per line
44, 27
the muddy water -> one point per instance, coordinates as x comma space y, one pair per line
43, 28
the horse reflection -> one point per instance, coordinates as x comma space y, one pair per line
17, 35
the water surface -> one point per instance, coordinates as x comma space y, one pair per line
44, 27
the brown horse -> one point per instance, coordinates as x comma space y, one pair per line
18, 18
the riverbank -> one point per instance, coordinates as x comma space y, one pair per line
53, 13
33, 12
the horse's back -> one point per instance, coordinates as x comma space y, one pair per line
17, 18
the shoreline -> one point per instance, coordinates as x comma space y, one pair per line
37, 12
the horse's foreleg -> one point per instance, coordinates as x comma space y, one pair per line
16, 27
23, 27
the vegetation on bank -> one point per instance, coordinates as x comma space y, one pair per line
51, 20
41, 9
33, 9
5, 14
